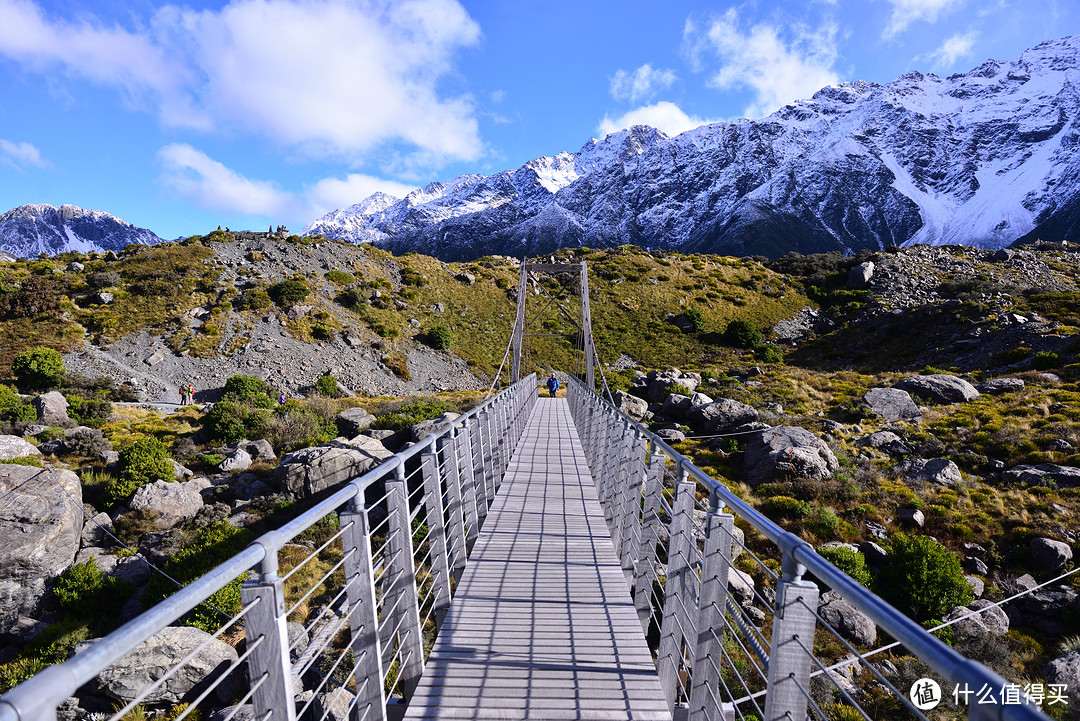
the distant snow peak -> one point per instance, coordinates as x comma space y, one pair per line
983, 158
36, 228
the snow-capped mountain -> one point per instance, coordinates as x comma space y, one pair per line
29, 230
984, 158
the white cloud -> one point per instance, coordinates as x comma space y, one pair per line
664, 116
641, 84
335, 78
776, 69
209, 184
906, 12
20, 155
958, 47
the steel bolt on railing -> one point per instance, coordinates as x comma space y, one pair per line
379, 602
696, 611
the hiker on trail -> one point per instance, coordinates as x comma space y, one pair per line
183, 396
553, 384
281, 399
191, 394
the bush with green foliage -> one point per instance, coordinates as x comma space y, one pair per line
38, 367
411, 413
696, 318
1046, 360
769, 353
923, 578
850, 562
88, 594
320, 331
86, 442
210, 547
232, 419
439, 337
242, 387
145, 461
288, 292
785, 507
103, 279
339, 277
92, 412
327, 386
293, 426
254, 299
741, 333
12, 407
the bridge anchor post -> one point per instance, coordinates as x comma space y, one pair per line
794, 622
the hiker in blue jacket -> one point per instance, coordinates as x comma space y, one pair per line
553, 384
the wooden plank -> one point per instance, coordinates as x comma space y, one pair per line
542, 624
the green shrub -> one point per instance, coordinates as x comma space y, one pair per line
210, 547
12, 407
339, 277
439, 337
327, 386
1046, 360
242, 387
397, 362
320, 331
413, 278
288, 292
144, 461
92, 412
232, 419
254, 299
38, 367
411, 413
741, 333
769, 353
32, 461
88, 594
697, 320
822, 522
850, 562
785, 507
923, 578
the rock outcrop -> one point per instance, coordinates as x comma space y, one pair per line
787, 452
939, 388
309, 471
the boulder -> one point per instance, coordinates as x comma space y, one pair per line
741, 586
676, 405
997, 386
978, 586
333, 705
259, 450
848, 621
180, 472
630, 405
1064, 670
41, 521
311, 470
466, 278
173, 502
937, 471
52, 409
94, 531
886, 441
15, 447
238, 460
424, 428
699, 399
910, 517
1043, 474
126, 678
859, 276
939, 388
993, 617
721, 416
1048, 554
892, 404
233, 713
670, 435
787, 452
352, 421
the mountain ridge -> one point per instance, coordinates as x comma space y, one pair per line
36, 228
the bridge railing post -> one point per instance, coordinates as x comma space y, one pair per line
467, 459
402, 622
436, 523
455, 502
645, 560
705, 704
363, 613
620, 484
631, 505
268, 665
794, 622
479, 468
679, 592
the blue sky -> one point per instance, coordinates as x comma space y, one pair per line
178, 117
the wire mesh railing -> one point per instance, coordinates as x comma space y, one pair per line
337, 609
745, 634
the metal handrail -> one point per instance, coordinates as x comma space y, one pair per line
799, 557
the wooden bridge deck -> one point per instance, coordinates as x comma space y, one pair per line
542, 625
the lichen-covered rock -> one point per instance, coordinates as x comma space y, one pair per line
630, 405
939, 388
997, 386
787, 452
892, 404
311, 470
15, 447
352, 421
721, 415
1043, 474
237, 460
1048, 554
886, 441
41, 521
52, 409
173, 502
937, 471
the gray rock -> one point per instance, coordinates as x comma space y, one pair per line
298, 636
466, 278
1025, 582
154, 359
1048, 554
15, 447
721, 416
968, 628
109, 457
1003, 255
699, 399
997, 386
1065, 670
424, 428
33, 429
939, 388
910, 517
173, 502
886, 441
233, 713
94, 531
671, 435
75, 267
787, 452
676, 405
859, 276
1043, 474
133, 569
741, 586
126, 678
938, 471
978, 586
892, 404
238, 460
103, 297
352, 421
976, 565
848, 621
874, 554
630, 405
311, 470
993, 617
52, 409
55, 447
180, 472
334, 705
41, 523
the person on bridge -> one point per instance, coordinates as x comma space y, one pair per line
553, 384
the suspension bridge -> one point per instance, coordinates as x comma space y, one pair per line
537, 558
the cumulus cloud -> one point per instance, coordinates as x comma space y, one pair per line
333, 78
777, 66
640, 84
906, 12
956, 48
207, 183
664, 116
21, 155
